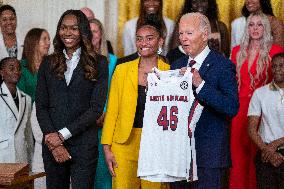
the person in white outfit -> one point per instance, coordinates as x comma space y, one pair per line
15, 108
266, 128
11, 42
149, 9
37, 161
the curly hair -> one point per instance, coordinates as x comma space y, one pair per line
265, 6
263, 59
88, 57
31, 46
7, 7
144, 17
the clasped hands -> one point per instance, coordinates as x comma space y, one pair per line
269, 154
54, 142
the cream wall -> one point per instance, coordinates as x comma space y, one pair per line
46, 13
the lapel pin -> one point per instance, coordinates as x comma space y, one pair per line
207, 65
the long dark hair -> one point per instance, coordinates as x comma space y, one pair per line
30, 44
211, 13
265, 6
88, 57
144, 17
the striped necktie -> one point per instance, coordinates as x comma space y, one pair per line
191, 63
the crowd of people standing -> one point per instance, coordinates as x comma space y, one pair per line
77, 113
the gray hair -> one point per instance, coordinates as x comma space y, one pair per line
204, 21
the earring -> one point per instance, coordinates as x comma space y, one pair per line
160, 50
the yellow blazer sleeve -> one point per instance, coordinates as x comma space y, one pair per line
112, 111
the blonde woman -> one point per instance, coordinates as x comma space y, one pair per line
252, 58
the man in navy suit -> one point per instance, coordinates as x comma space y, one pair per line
215, 87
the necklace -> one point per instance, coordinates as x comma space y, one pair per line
281, 93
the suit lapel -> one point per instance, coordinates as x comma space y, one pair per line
207, 63
75, 73
8, 100
22, 108
133, 73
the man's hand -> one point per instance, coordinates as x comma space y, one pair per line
182, 70
276, 159
53, 140
110, 160
61, 154
268, 151
196, 78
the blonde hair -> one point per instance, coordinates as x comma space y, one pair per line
103, 42
263, 59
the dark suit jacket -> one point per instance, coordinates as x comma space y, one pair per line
109, 47
219, 96
174, 54
76, 106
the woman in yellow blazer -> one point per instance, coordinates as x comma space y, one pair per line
125, 109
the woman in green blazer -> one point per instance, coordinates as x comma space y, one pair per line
36, 46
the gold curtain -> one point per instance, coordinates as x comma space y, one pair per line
228, 10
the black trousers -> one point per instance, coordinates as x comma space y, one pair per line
81, 168
268, 176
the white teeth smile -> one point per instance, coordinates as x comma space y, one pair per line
144, 49
68, 40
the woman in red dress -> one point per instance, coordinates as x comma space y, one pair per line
252, 58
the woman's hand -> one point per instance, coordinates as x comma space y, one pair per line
110, 160
100, 121
53, 140
61, 154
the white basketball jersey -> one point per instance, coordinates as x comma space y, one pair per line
167, 148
